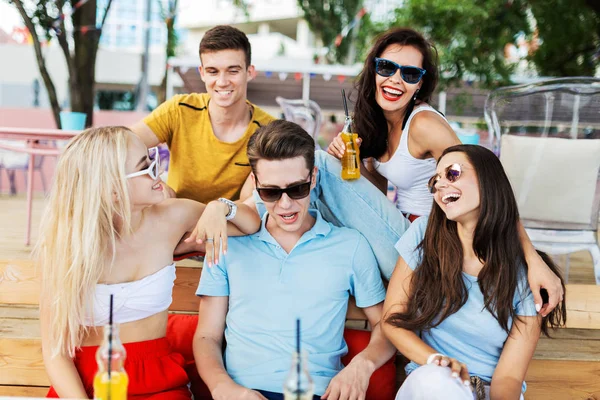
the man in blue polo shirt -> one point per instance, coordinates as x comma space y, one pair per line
296, 266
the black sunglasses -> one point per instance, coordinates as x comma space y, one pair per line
388, 68
453, 172
295, 192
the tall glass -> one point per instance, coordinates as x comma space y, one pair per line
114, 388
298, 384
351, 157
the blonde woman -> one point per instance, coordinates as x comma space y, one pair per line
107, 229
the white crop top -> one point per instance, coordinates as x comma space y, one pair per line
409, 174
133, 301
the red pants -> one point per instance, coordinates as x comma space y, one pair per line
155, 371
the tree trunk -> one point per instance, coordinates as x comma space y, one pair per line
82, 85
41, 61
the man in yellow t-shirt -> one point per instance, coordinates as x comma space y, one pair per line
207, 133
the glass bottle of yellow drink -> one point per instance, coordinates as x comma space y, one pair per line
298, 384
351, 157
111, 380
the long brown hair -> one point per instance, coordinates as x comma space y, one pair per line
437, 286
369, 121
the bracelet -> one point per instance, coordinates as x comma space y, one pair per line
432, 356
232, 208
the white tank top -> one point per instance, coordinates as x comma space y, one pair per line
410, 175
133, 301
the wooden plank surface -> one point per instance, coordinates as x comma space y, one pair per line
583, 306
23, 391
19, 284
563, 380
21, 362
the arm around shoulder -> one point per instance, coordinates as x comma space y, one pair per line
146, 134
158, 127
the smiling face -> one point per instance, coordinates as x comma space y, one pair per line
459, 200
143, 190
286, 213
393, 93
226, 76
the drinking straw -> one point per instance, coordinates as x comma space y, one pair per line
110, 331
345, 104
348, 116
299, 358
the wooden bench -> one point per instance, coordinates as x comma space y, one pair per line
565, 367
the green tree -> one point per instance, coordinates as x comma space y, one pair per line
327, 19
77, 39
470, 35
569, 36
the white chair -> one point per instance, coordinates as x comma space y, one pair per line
12, 161
547, 136
306, 114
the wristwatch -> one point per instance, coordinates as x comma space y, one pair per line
232, 208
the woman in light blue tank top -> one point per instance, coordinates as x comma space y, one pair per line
459, 304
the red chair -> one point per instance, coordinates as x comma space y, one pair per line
181, 329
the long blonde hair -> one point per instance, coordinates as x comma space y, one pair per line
78, 233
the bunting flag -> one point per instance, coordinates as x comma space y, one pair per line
341, 78
326, 77
338, 39
282, 76
63, 15
298, 76
268, 74
313, 75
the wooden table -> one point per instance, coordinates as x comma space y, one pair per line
32, 137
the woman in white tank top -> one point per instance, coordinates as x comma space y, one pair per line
108, 229
401, 136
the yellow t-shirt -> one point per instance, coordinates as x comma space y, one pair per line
202, 167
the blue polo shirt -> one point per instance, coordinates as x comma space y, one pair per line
269, 288
471, 335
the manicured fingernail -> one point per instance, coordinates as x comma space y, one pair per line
437, 362
216, 262
455, 374
538, 307
467, 383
